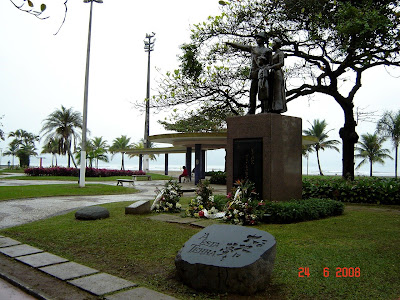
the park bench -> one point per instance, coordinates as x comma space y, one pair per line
120, 182
135, 177
186, 191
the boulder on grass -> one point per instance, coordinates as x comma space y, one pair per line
227, 259
92, 213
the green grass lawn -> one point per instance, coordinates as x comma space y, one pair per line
138, 249
33, 191
73, 178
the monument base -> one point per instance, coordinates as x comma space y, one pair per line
266, 149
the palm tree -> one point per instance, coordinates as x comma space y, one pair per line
140, 145
305, 151
12, 150
99, 151
52, 146
62, 124
25, 143
370, 149
1, 130
318, 130
389, 126
121, 144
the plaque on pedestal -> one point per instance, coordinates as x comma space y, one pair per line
247, 161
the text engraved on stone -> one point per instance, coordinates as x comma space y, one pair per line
234, 250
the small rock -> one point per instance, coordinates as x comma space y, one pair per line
92, 213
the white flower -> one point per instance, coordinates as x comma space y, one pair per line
235, 212
178, 205
213, 210
211, 198
241, 214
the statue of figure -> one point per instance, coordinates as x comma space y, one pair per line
260, 57
276, 80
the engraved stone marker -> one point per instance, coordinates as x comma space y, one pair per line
227, 258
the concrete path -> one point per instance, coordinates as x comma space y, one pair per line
10, 292
18, 212
105, 286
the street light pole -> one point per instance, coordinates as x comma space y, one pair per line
85, 99
148, 47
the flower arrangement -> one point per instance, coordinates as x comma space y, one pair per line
167, 199
203, 205
244, 208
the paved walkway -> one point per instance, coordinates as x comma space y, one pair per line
17, 212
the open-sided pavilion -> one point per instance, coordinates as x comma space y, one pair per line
199, 142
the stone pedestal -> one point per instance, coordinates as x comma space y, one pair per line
266, 149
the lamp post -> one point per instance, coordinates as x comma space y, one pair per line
85, 99
148, 47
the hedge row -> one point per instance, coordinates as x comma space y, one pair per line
372, 190
301, 210
217, 177
90, 172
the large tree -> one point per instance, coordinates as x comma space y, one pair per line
330, 41
38, 8
63, 125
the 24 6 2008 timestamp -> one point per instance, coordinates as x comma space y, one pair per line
339, 272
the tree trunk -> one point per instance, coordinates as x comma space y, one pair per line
122, 163
349, 138
370, 168
395, 161
319, 165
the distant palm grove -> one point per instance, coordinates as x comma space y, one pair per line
61, 135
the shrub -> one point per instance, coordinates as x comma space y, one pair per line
217, 177
301, 210
220, 201
371, 190
90, 172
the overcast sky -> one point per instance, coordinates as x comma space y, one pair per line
40, 71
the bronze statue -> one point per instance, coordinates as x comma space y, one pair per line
267, 79
260, 57
276, 80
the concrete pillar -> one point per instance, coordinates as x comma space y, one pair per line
189, 160
203, 164
166, 164
198, 163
